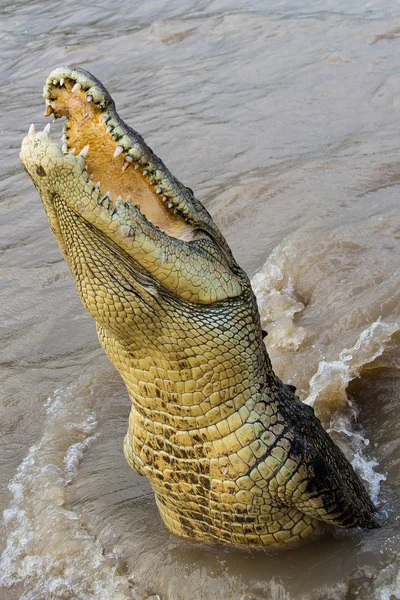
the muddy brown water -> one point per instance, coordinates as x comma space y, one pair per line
284, 118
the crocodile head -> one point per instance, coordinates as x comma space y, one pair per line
111, 201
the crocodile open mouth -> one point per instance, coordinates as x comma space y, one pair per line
105, 181
115, 156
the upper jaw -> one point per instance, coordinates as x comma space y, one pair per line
129, 148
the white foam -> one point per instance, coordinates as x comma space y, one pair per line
274, 290
48, 548
337, 374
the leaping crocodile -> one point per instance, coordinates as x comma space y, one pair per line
231, 453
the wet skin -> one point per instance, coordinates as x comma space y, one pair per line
231, 453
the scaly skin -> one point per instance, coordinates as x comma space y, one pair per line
231, 453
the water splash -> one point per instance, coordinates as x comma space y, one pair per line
333, 377
48, 547
277, 301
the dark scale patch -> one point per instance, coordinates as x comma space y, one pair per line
204, 481
320, 468
240, 519
40, 171
192, 477
248, 529
296, 448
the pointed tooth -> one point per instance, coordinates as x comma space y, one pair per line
84, 151
165, 198
105, 118
46, 94
62, 81
136, 166
49, 111
97, 186
107, 194
31, 130
108, 128
64, 148
145, 172
170, 205
72, 151
47, 129
76, 87
158, 190
118, 151
89, 98
104, 201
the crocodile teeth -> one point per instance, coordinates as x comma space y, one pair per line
145, 172
104, 201
89, 98
97, 186
170, 205
108, 128
49, 111
76, 87
118, 151
31, 130
72, 151
84, 151
62, 81
127, 163
46, 94
158, 190
47, 129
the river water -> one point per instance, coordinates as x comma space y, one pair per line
283, 117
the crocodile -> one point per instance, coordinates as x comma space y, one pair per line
231, 453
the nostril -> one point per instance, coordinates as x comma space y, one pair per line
40, 171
